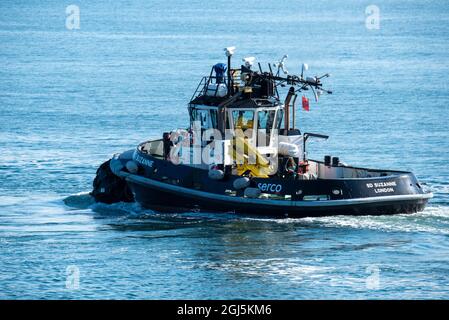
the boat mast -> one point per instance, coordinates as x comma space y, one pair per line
229, 52
222, 106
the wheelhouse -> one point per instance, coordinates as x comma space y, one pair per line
259, 122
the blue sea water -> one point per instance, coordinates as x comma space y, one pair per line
69, 99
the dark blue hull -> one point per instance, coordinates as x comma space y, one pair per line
166, 200
164, 186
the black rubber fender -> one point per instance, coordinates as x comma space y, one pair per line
108, 188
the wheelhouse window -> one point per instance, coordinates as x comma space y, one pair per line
228, 121
265, 119
243, 119
265, 122
208, 118
280, 115
203, 118
214, 118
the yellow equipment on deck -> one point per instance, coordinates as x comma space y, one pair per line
249, 159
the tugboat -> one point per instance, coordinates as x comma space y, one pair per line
243, 153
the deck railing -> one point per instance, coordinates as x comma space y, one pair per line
211, 86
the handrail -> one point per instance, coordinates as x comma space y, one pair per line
204, 84
306, 136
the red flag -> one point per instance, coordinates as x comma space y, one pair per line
305, 103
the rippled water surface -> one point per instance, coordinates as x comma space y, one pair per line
69, 99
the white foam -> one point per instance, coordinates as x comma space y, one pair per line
293, 268
434, 219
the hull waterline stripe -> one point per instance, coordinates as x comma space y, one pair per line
281, 203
